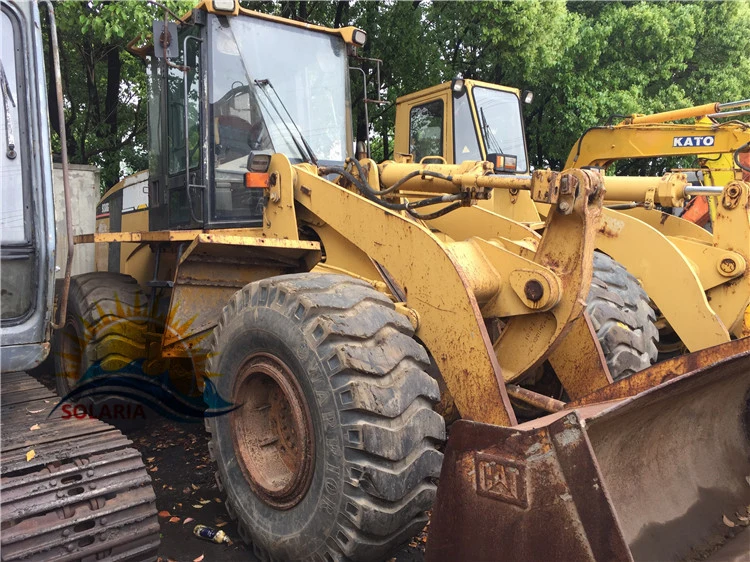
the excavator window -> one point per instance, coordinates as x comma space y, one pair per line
426, 130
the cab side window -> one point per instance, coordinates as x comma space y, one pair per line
426, 130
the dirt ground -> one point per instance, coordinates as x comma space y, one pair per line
176, 456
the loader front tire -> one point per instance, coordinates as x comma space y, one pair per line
331, 451
624, 321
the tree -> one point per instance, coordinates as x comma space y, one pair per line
104, 87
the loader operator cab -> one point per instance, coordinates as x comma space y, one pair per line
463, 120
235, 87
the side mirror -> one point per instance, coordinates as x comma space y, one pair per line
165, 40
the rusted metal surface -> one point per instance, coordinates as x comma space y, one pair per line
237, 236
451, 325
210, 271
579, 362
506, 494
84, 495
566, 249
667, 370
272, 431
535, 399
644, 478
54, 48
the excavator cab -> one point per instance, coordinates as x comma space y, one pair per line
27, 221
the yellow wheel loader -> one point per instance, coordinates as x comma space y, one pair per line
698, 281
342, 306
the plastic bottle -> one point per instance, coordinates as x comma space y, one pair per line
210, 534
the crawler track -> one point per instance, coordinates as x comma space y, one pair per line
85, 494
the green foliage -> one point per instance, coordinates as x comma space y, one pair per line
585, 61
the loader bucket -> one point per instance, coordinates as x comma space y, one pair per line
648, 477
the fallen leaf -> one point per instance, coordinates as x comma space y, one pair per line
204, 502
150, 459
195, 487
728, 522
174, 519
153, 469
742, 518
197, 506
187, 520
198, 559
221, 524
217, 500
30, 455
34, 427
186, 490
40, 411
164, 514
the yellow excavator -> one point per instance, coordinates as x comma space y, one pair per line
718, 146
696, 280
347, 309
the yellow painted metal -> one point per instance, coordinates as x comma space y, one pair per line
732, 233
668, 191
712, 265
478, 221
601, 146
566, 248
579, 362
451, 325
682, 260
279, 217
210, 271
683, 302
516, 204
670, 225
676, 114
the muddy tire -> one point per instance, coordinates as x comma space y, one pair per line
331, 453
622, 317
106, 321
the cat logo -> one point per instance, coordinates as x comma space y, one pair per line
693, 141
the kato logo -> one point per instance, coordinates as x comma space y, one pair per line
686, 142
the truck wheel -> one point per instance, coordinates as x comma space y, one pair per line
106, 321
331, 452
622, 317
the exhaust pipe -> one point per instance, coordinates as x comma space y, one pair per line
649, 477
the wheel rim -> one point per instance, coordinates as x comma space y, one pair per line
272, 431
71, 354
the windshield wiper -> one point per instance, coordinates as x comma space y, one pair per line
307, 151
488, 135
7, 96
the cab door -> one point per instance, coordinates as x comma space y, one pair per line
27, 235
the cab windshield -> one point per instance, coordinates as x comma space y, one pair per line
284, 83
500, 124
274, 88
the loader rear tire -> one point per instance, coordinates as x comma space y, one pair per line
624, 321
331, 453
106, 322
